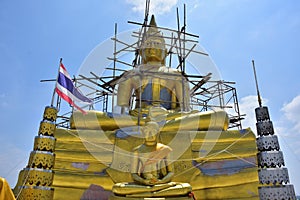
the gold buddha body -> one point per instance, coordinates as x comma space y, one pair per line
153, 85
152, 82
152, 170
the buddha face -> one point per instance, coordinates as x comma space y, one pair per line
150, 132
153, 51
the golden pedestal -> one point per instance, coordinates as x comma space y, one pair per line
86, 157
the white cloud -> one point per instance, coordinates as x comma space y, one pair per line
156, 6
247, 106
289, 125
289, 136
291, 112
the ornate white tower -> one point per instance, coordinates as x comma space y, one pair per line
273, 177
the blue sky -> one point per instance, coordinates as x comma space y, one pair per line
35, 34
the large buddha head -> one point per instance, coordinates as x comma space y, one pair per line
153, 49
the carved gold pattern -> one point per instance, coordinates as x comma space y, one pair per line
37, 177
47, 128
50, 113
41, 159
44, 143
36, 192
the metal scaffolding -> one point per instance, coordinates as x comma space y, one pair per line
204, 91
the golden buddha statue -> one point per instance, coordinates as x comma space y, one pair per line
152, 82
152, 170
153, 85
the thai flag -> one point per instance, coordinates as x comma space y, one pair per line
67, 91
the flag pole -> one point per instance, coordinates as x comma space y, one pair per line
54, 91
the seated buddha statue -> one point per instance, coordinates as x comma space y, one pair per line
152, 170
152, 83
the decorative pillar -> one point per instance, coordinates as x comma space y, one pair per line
36, 179
273, 177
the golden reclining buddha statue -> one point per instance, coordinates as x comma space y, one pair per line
152, 86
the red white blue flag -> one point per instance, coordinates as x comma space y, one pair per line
67, 90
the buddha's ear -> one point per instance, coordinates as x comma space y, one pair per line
140, 52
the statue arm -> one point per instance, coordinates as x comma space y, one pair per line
124, 93
183, 93
135, 170
187, 95
170, 173
139, 179
167, 178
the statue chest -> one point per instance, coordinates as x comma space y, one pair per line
155, 91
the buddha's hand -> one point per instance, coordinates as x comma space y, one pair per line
151, 181
154, 181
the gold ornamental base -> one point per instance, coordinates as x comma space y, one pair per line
36, 192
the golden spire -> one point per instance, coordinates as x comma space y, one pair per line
152, 21
153, 33
153, 40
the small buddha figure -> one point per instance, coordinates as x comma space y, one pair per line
152, 83
151, 170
